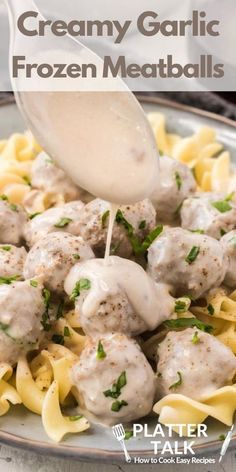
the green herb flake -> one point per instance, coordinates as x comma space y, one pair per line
222, 206
222, 437
58, 339
177, 383
82, 284
4, 197
128, 435
4, 326
182, 305
27, 180
192, 255
178, 180
63, 222
178, 209
6, 248
33, 283
76, 257
188, 323
9, 280
33, 215
105, 216
75, 418
115, 391
197, 231
117, 405
60, 309
13, 207
142, 224
161, 153
100, 351
66, 332
210, 309
45, 318
151, 237
195, 338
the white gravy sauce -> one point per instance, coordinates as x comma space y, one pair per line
102, 140
150, 301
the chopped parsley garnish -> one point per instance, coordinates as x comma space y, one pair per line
115, 391
210, 309
27, 180
58, 339
198, 231
75, 418
76, 256
82, 284
128, 435
177, 211
177, 383
100, 351
4, 197
222, 232
161, 153
4, 326
33, 283
142, 224
182, 305
222, 205
222, 437
178, 180
195, 338
63, 222
9, 280
233, 240
104, 218
13, 207
60, 309
66, 332
5, 248
31, 217
139, 247
192, 255
45, 318
188, 323
117, 405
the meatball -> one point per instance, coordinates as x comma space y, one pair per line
45, 175
53, 256
94, 224
114, 380
20, 323
193, 363
176, 182
12, 261
12, 221
191, 263
63, 218
229, 245
117, 296
212, 213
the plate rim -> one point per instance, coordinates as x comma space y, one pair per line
103, 455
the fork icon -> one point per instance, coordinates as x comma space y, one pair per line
119, 433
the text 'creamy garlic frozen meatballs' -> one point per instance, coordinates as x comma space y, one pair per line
12, 222
229, 246
63, 218
21, 309
114, 380
193, 363
53, 256
191, 263
139, 219
117, 296
212, 213
176, 182
45, 175
12, 261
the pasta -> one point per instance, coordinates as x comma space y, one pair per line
42, 379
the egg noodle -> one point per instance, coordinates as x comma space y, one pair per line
41, 381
